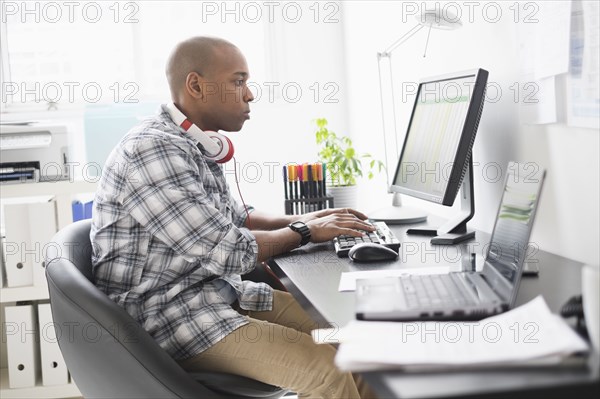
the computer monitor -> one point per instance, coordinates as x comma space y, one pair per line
436, 155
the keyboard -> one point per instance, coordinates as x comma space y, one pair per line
436, 290
382, 235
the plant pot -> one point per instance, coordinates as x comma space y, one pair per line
344, 196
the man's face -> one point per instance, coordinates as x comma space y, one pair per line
225, 103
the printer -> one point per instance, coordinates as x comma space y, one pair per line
33, 152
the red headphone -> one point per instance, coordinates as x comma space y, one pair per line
218, 147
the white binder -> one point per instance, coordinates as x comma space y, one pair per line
29, 225
42, 227
54, 369
21, 346
19, 268
2, 263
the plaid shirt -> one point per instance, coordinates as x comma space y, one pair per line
168, 242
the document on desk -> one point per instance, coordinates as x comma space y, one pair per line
529, 334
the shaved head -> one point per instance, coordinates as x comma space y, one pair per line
198, 54
208, 79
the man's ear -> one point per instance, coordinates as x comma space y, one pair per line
194, 85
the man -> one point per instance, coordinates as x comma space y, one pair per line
170, 243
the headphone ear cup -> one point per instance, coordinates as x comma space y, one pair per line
226, 152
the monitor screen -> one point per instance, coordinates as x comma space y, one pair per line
510, 238
440, 135
513, 224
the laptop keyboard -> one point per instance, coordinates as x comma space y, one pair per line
382, 235
433, 290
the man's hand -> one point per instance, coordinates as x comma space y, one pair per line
324, 226
326, 212
327, 224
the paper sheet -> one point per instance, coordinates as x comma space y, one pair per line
537, 100
544, 36
583, 81
551, 38
529, 333
348, 279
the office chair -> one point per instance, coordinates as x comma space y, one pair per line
106, 351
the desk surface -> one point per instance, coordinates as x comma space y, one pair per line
312, 275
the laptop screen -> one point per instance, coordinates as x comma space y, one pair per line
514, 221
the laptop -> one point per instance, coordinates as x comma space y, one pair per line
466, 295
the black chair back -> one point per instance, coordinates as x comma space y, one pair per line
108, 354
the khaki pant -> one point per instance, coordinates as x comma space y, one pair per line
276, 348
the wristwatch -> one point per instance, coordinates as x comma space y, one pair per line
302, 229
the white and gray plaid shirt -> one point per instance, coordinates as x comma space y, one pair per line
168, 242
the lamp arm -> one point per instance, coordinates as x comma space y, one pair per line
402, 39
387, 171
387, 53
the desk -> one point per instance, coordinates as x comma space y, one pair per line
312, 275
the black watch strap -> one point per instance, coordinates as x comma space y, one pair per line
302, 229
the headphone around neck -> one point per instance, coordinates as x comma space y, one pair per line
218, 147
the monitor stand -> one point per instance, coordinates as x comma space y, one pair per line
398, 214
455, 230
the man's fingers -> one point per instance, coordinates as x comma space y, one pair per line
358, 214
349, 224
355, 224
350, 232
340, 221
327, 212
342, 211
354, 212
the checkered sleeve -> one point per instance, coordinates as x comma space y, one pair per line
163, 192
239, 212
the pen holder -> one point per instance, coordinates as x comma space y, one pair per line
304, 205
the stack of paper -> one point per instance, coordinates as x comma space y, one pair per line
527, 334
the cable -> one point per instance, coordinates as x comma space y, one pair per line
237, 183
427, 42
266, 267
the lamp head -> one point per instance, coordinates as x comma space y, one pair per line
439, 19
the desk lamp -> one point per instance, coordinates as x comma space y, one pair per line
431, 19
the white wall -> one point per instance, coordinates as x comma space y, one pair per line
344, 53
302, 51
568, 222
309, 54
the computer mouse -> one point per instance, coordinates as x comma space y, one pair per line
371, 252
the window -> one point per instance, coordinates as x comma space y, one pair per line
77, 53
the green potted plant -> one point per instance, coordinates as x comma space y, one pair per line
344, 164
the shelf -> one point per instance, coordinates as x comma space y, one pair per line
29, 293
39, 391
63, 191
56, 188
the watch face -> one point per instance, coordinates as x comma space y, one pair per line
303, 230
